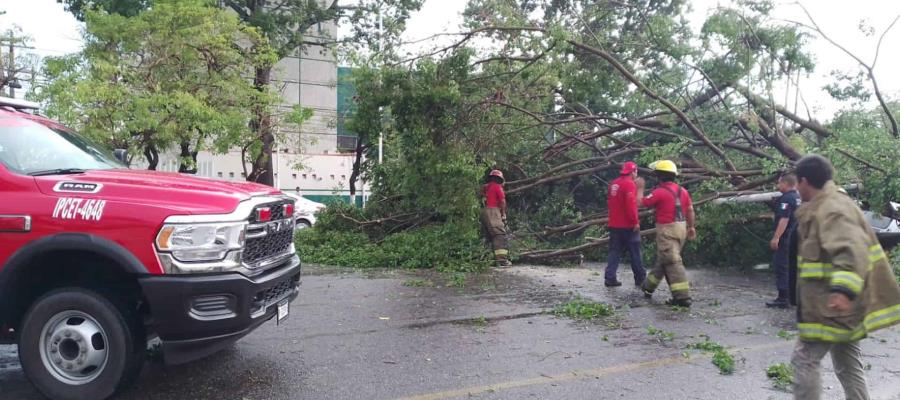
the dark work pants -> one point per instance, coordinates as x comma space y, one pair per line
792, 267
620, 240
780, 261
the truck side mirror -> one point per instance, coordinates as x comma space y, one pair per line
121, 155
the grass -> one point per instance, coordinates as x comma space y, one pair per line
661, 335
418, 283
582, 310
782, 375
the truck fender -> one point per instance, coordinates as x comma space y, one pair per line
19, 261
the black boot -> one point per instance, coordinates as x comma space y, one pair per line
780, 302
679, 302
615, 283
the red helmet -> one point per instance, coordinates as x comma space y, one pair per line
628, 167
498, 174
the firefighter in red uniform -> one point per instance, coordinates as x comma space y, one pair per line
624, 226
674, 224
493, 217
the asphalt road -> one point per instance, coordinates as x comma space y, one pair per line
393, 335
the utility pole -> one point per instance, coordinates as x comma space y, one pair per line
380, 131
12, 66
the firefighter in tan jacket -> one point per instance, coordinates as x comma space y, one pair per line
845, 285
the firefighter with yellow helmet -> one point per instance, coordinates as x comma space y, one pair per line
674, 224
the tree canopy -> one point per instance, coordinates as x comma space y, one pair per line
173, 75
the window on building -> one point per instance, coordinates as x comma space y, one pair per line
220, 174
243, 175
294, 176
304, 176
343, 177
332, 177
231, 174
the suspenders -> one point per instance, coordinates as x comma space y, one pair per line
679, 215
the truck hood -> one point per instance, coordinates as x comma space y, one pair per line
183, 194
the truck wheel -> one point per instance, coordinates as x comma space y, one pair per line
76, 344
303, 224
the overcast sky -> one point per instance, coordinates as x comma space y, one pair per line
56, 32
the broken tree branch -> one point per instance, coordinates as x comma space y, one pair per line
650, 93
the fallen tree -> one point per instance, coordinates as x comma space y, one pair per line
560, 102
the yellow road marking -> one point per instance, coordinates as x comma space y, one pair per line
575, 375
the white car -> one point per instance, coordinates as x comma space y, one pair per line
887, 228
305, 211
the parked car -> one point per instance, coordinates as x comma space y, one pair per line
96, 258
305, 211
886, 227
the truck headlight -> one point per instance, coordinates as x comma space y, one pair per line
201, 242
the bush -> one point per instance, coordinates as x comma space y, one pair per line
445, 247
730, 235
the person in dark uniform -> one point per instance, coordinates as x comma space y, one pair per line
780, 244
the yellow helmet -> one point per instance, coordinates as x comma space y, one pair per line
664, 165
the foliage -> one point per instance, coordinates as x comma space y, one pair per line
171, 75
707, 345
457, 279
721, 358
582, 310
426, 247
730, 235
418, 283
864, 135
126, 8
724, 361
782, 375
289, 26
659, 334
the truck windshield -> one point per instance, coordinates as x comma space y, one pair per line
27, 147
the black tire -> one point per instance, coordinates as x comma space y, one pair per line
125, 344
303, 224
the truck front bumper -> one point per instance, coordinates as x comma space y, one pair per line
198, 315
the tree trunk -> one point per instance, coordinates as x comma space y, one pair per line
152, 156
187, 154
262, 170
357, 166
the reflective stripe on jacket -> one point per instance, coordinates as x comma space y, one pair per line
839, 252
